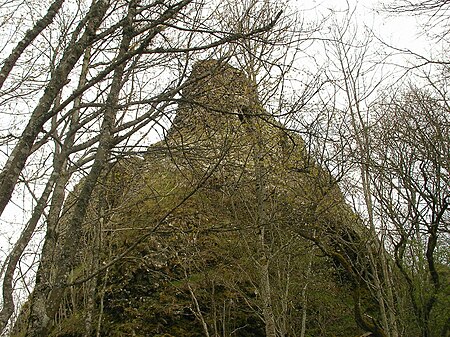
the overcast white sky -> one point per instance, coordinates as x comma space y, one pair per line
399, 31
402, 31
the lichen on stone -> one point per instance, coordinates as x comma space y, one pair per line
191, 205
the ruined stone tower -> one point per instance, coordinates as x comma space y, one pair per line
183, 219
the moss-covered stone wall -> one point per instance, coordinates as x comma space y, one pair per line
188, 209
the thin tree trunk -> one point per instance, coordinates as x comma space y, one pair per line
46, 299
304, 297
198, 312
360, 129
16, 253
93, 257
58, 180
29, 37
285, 301
102, 304
264, 264
43, 112
266, 296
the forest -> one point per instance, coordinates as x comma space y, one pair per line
224, 168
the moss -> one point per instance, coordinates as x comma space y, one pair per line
209, 245
72, 326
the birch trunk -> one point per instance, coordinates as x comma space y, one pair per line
47, 298
43, 112
264, 264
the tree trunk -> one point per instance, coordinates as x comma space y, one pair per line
43, 112
266, 297
264, 264
46, 299
29, 37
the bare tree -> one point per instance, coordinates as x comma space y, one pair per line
410, 182
410, 175
30, 35
116, 53
436, 12
434, 16
340, 139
